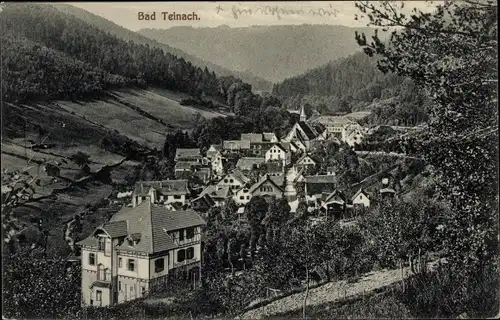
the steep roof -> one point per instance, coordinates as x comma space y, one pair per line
252, 137
336, 193
274, 167
282, 146
240, 176
268, 136
307, 155
164, 187
187, 153
360, 191
115, 229
246, 163
261, 181
216, 192
309, 132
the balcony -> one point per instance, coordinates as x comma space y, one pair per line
185, 262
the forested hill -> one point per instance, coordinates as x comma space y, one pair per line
101, 23
271, 52
353, 84
48, 54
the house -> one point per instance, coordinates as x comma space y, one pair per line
259, 149
270, 137
279, 152
235, 145
334, 204
273, 168
340, 127
234, 180
303, 134
161, 192
203, 173
316, 185
183, 167
216, 161
137, 251
305, 161
188, 154
267, 186
219, 194
354, 134
249, 163
202, 203
213, 150
252, 137
360, 199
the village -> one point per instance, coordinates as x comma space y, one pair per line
159, 232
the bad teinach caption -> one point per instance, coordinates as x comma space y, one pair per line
171, 16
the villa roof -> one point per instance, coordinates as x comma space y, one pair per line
268, 136
309, 132
336, 121
185, 165
115, 229
150, 225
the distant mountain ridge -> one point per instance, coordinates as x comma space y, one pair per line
128, 35
271, 52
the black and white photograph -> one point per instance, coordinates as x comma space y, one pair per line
250, 160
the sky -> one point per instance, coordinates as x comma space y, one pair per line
234, 14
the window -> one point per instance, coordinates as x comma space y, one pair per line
177, 197
189, 253
101, 244
242, 197
360, 197
181, 235
131, 265
159, 265
98, 295
143, 290
190, 233
225, 181
119, 285
107, 274
248, 197
181, 255
92, 259
231, 180
119, 262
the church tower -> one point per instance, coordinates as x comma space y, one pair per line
303, 116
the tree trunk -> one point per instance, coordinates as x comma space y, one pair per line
402, 274
304, 304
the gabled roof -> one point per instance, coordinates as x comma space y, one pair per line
115, 229
216, 192
261, 181
252, 137
283, 146
246, 163
274, 167
205, 198
164, 187
268, 136
309, 132
306, 156
335, 194
187, 153
216, 149
237, 174
360, 191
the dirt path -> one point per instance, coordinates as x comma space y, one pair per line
331, 292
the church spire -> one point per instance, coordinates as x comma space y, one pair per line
303, 116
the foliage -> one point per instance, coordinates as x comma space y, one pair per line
35, 287
452, 54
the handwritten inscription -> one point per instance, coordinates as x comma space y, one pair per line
277, 11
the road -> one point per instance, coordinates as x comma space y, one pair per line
332, 292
